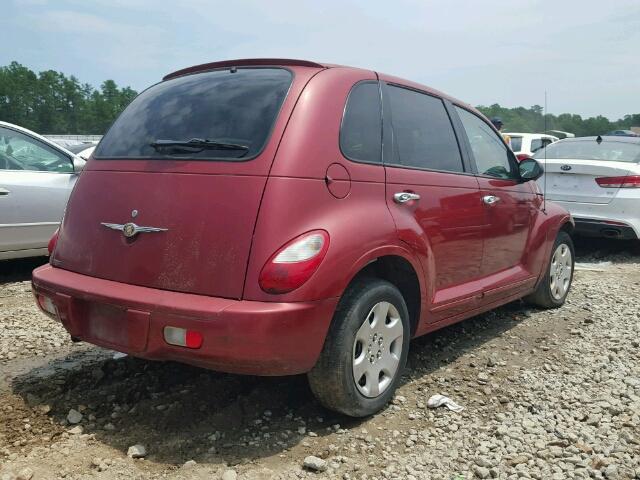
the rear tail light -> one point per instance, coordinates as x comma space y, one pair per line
292, 265
522, 156
47, 306
51, 246
182, 337
631, 181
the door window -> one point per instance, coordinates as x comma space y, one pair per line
361, 130
423, 134
489, 150
22, 152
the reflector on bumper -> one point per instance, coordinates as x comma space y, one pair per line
47, 306
182, 337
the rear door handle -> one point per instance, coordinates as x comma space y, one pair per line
4, 191
490, 199
404, 197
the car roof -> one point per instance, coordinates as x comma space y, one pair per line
33, 134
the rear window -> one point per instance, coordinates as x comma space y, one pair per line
516, 143
230, 112
539, 143
590, 150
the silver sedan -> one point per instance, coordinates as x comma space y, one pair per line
36, 179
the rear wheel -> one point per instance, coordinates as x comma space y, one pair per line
554, 288
365, 351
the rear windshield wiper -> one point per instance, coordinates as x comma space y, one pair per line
195, 145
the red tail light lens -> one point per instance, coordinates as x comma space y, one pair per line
51, 246
630, 181
292, 265
522, 156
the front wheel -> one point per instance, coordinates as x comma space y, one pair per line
554, 288
365, 350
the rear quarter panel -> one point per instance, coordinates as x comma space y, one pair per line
297, 200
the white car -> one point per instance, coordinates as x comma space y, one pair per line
598, 180
527, 144
36, 178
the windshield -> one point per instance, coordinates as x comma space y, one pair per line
232, 106
611, 151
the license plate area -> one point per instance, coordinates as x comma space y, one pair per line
566, 182
113, 326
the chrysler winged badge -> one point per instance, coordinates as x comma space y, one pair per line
130, 229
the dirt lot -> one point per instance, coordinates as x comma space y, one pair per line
547, 395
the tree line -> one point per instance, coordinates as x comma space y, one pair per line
49, 102
520, 119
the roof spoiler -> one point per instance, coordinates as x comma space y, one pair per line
242, 63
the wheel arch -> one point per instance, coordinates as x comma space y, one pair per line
567, 225
395, 265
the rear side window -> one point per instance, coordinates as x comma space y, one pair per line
361, 130
423, 133
590, 149
230, 112
489, 150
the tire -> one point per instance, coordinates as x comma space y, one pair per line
358, 341
554, 288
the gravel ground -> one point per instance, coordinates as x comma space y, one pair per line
547, 395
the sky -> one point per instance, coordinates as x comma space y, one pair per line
584, 53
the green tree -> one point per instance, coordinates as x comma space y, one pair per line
520, 119
50, 102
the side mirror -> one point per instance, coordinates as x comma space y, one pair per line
530, 169
78, 164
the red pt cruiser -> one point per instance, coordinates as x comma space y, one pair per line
277, 217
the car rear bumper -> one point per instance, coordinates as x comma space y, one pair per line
619, 218
258, 338
607, 229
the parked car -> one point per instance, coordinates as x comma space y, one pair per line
524, 145
84, 150
36, 178
264, 217
598, 180
622, 133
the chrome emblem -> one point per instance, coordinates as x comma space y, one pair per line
134, 213
565, 168
130, 229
